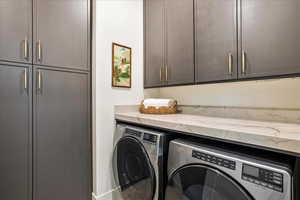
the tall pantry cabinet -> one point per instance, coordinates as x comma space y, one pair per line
45, 148
16, 31
61, 33
16, 132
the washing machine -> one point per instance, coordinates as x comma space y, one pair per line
140, 162
199, 171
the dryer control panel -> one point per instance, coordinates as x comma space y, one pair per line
266, 178
214, 159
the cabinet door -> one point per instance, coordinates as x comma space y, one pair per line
61, 136
15, 30
154, 43
216, 40
270, 38
15, 134
180, 41
61, 33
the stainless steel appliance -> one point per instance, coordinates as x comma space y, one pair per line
203, 172
139, 162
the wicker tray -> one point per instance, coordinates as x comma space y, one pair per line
163, 110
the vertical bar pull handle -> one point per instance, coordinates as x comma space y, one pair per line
39, 51
26, 48
243, 62
25, 79
167, 75
160, 74
39, 81
230, 71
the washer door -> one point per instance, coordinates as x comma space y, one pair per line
133, 170
197, 182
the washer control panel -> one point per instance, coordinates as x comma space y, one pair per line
266, 178
133, 132
214, 159
150, 138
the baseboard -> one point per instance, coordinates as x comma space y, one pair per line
110, 195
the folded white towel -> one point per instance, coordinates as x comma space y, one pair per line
158, 102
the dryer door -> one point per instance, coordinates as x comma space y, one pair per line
133, 170
197, 182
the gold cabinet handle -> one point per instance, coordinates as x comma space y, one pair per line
167, 76
243, 62
25, 79
39, 82
39, 51
230, 71
26, 48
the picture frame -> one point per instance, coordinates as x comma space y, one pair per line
121, 66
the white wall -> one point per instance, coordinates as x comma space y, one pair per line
276, 93
119, 21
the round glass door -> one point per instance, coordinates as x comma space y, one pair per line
198, 182
134, 171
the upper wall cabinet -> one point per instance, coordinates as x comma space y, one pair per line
169, 42
215, 40
154, 43
180, 42
15, 30
61, 33
270, 42
233, 40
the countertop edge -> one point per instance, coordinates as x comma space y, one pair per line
281, 144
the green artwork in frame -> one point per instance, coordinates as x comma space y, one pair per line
121, 66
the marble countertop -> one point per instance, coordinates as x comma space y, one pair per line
279, 136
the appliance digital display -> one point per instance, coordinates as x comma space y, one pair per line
251, 171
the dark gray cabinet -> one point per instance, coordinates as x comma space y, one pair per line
226, 40
61, 30
270, 42
154, 43
61, 33
15, 134
180, 67
215, 40
15, 30
45, 147
169, 42
61, 135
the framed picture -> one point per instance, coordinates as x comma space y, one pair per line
121, 66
